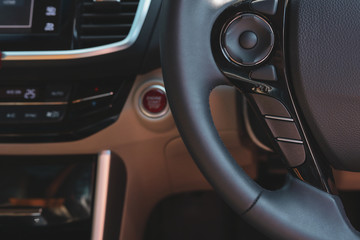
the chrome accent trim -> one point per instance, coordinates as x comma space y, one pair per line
101, 192
134, 33
19, 212
93, 97
31, 103
288, 140
146, 112
285, 119
250, 130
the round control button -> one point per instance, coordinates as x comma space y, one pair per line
154, 101
248, 40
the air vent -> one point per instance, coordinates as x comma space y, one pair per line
105, 22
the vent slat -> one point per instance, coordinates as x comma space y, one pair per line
105, 29
110, 38
105, 22
105, 15
87, 4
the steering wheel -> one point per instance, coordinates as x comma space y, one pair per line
297, 63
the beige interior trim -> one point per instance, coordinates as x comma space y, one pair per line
156, 160
347, 181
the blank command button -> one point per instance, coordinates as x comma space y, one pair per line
267, 72
293, 152
270, 106
283, 129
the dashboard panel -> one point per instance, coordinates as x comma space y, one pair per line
72, 78
80, 87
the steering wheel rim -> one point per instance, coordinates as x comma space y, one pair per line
298, 210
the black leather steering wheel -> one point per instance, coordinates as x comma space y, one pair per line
297, 63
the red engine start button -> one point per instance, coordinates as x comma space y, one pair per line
154, 101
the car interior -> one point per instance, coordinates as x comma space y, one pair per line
179, 119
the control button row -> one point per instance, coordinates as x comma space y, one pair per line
285, 132
283, 129
49, 18
32, 114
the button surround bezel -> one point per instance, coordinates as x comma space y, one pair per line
227, 53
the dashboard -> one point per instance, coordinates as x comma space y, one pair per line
68, 69
81, 87
78, 60
87, 137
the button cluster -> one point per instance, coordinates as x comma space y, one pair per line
32, 114
33, 104
54, 102
283, 128
50, 16
61, 111
46, 19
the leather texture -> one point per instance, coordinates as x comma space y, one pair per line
325, 72
297, 211
190, 74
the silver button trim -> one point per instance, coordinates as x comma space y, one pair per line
288, 140
279, 118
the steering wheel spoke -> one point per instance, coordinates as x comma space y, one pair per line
252, 34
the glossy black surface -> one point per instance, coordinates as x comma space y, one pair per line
116, 70
87, 107
46, 190
47, 32
67, 25
315, 170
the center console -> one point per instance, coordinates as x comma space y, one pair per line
61, 197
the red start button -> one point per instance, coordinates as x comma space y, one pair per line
154, 101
